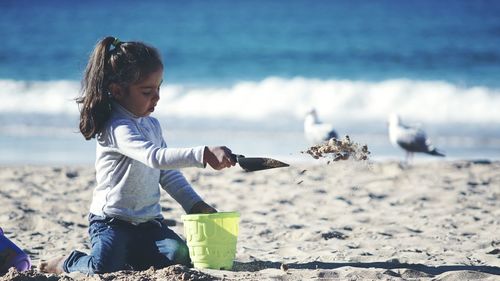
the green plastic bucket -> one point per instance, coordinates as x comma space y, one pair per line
211, 239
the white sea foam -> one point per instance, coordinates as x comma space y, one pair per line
340, 100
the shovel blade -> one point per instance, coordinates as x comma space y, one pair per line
251, 164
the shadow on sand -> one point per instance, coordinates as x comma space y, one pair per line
432, 270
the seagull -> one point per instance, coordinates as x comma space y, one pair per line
410, 139
315, 131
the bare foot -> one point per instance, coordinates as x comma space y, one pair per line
54, 265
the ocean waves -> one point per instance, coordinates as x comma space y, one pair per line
278, 98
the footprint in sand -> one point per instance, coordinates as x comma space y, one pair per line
334, 234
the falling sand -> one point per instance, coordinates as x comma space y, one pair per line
336, 150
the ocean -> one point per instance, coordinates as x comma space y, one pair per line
244, 73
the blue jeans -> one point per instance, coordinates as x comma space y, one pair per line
119, 245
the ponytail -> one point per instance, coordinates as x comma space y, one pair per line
112, 61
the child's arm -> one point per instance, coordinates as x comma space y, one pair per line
131, 142
176, 185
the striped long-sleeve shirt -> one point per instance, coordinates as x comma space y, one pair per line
133, 162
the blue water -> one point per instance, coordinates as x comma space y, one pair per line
227, 41
249, 62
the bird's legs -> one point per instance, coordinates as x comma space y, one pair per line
408, 159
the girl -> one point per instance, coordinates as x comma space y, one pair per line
120, 90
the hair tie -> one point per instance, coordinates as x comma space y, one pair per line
116, 43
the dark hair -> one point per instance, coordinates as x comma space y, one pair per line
111, 61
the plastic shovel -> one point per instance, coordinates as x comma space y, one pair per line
251, 164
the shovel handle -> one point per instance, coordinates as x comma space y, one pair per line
236, 157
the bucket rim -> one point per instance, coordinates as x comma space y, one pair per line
211, 215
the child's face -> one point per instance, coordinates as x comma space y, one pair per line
142, 97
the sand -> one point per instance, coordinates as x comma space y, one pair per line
436, 220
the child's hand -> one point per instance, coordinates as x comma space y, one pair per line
218, 157
202, 208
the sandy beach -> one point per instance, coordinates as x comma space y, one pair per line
436, 220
